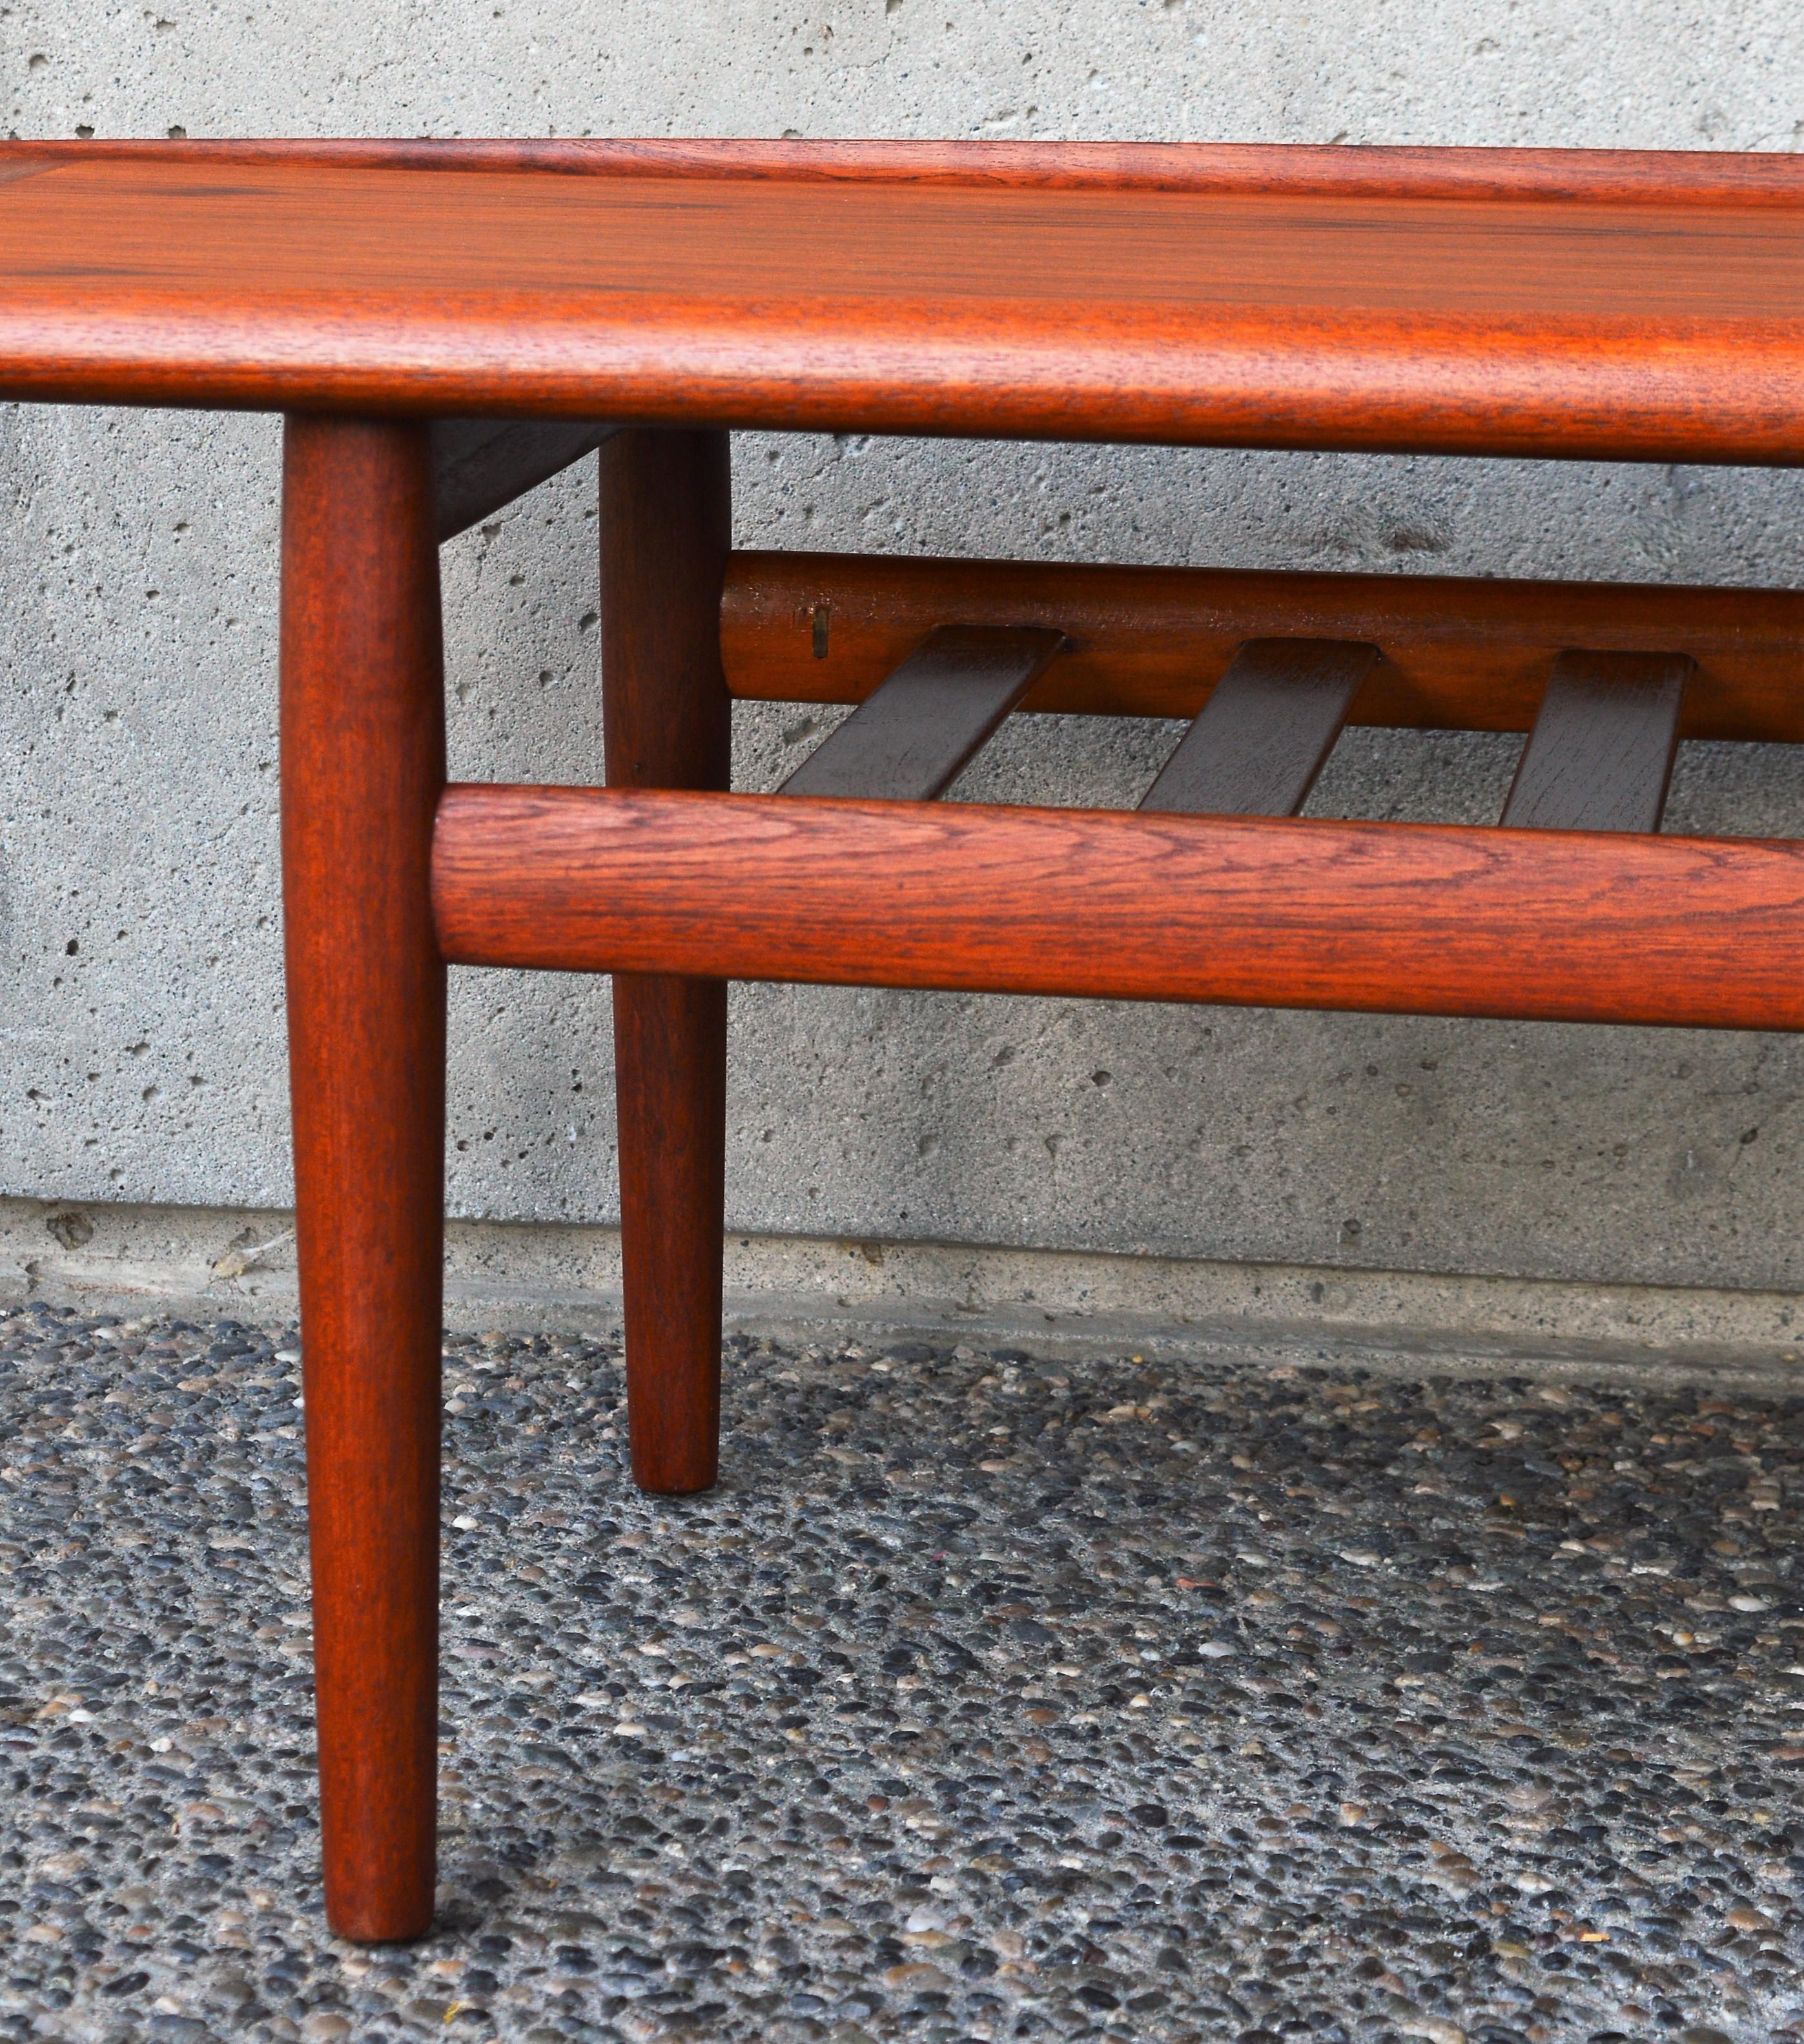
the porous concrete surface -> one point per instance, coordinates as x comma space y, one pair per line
985, 1699
140, 1038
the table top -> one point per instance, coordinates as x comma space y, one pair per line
1595, 304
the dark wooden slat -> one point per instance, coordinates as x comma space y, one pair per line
908, 740
480, 465
1600, 754
1255, 748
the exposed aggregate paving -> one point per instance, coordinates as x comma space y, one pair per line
986, 1698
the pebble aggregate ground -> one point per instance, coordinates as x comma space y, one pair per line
986, 1698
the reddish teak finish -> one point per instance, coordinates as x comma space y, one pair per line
1559, 304
1517, 302
1666, 177
666, 526
362, 763
1460, 654
1419, 918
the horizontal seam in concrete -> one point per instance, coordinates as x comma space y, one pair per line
239, 1262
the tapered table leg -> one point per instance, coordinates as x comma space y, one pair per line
362, 764
666, 530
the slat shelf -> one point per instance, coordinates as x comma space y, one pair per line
1600, 755
1257, 745
909, 740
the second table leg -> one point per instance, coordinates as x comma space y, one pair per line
666, 530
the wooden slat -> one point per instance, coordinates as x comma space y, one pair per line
1459, 653
1600, 755
1255, 748
909, 740
1429, 919
481, 465
1580, 310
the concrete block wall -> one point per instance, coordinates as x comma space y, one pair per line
141, 994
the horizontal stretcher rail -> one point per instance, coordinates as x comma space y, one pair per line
1400, 918
1460, 653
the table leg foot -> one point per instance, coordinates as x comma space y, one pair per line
670, 1062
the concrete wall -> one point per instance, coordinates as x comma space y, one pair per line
140, 995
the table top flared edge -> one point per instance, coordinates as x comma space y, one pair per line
1691, 370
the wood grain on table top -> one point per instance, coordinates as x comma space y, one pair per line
1536, 302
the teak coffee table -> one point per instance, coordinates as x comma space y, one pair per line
444, 326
